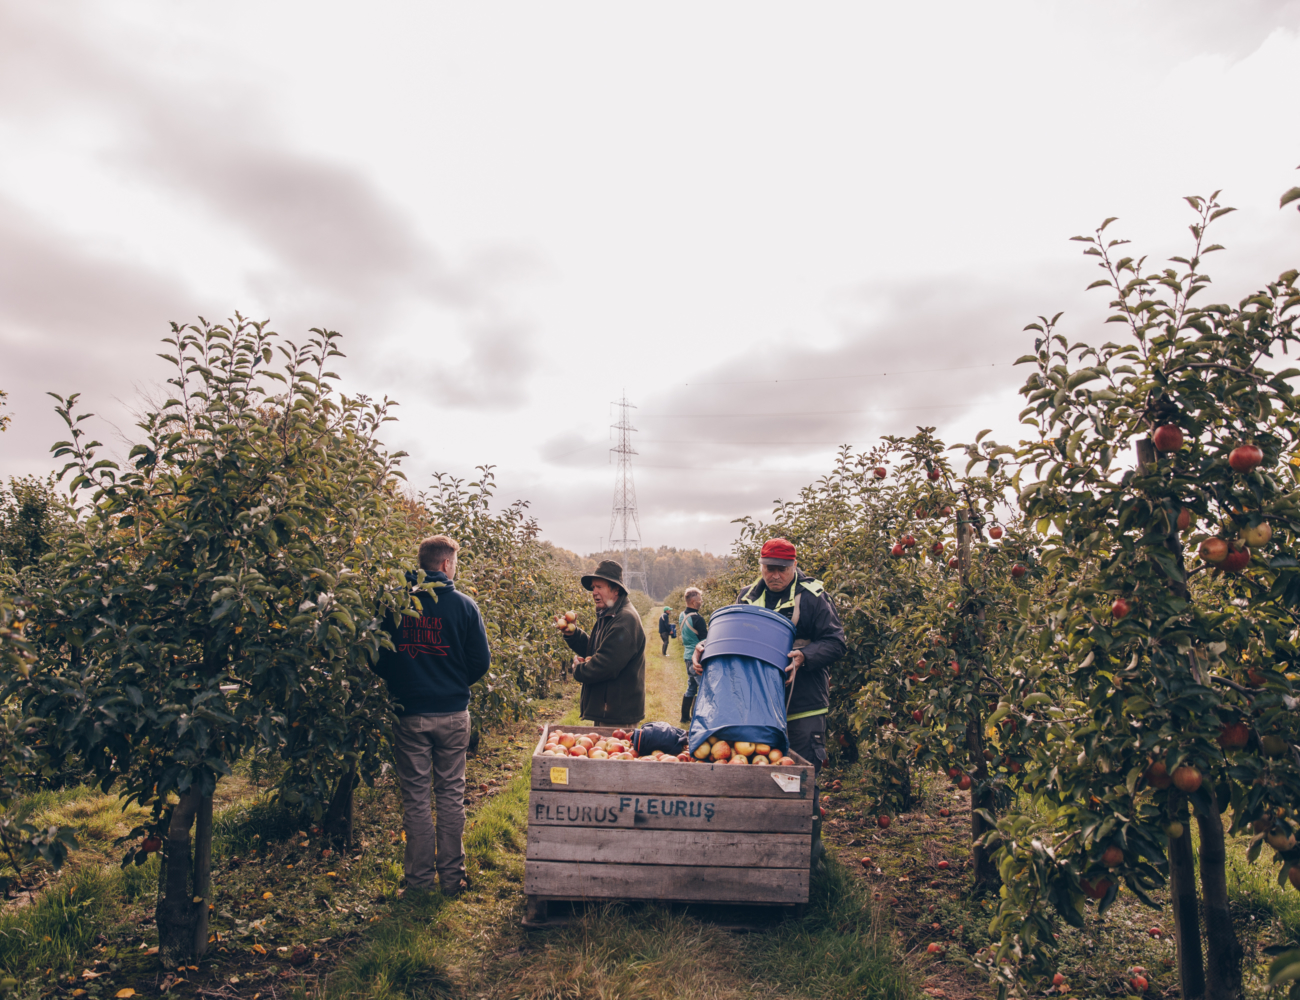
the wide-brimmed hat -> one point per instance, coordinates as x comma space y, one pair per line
609, 571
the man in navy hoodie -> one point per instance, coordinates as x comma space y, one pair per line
437, 655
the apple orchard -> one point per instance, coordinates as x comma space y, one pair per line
1093, 631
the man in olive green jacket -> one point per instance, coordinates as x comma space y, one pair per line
610, 662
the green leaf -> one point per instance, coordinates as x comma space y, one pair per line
1286, 967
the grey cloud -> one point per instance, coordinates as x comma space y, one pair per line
342, 254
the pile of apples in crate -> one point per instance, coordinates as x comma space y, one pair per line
717, 751
619, 747
592, 745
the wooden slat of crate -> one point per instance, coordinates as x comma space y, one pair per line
667, 882
676, 812
648, 778
708, 848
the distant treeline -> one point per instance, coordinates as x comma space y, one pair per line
666, 568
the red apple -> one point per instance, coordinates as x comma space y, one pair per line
785, 761
995, 532
1187, 778
917, 716
883, 822
1017, 571
1167, 437
570, 616
942, 866
897, 550
150, 844
956, 668
1095, 890
920, 664
909, 541
1236, 560
1184, 518
954, 772
1120, 608
1245, 457
934, 474
1139, 984
1157, 775
880, 472
943, 812
1256, 677
937, 548
1058, 980
619, 734
934, 948
1112, 856
1234, 736
964, 783
866, 862
954, 562
1214, 550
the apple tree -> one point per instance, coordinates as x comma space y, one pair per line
223, 591
1175, 676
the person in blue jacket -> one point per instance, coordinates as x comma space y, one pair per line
436, 656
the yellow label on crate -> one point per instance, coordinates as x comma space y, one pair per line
559, 776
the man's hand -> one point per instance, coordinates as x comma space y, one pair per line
578, 661
696, 663
796, 661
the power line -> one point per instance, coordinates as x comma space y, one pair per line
805, 413
826, 378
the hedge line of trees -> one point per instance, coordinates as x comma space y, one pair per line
1031, 621
224, 593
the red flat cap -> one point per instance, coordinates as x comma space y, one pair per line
777, 550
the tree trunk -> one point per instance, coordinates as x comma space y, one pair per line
1223, 960
202, 875
987, 878
184, 904
1187, 924
337, 826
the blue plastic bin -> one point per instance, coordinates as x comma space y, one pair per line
747, 630
742, 690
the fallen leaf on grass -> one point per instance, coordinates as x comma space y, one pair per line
88, 974
259, 949
266, 895
123, 994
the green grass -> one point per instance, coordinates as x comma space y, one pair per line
840, 949
58, 929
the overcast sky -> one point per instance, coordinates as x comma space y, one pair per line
740, 213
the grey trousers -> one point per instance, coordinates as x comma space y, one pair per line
429, 751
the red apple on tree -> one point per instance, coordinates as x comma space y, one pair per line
1184, 518
1112, 856
954, 562
934, 474
1120, 608
964, 783
880, 472
995, 532
1214, 550
1157, 775
1187, 778
1234, 736
897, 551
1017, 571
916, 715
1245, 457
1167, 437
1236, 560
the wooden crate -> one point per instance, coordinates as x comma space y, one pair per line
699, 833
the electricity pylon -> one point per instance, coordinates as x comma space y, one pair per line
624, 522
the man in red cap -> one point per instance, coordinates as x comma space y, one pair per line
818, 642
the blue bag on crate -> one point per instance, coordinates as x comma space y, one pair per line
658, 736
742, 689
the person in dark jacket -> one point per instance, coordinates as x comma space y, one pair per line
818, 642
436, 656
610, 662
694, 630
665, 628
